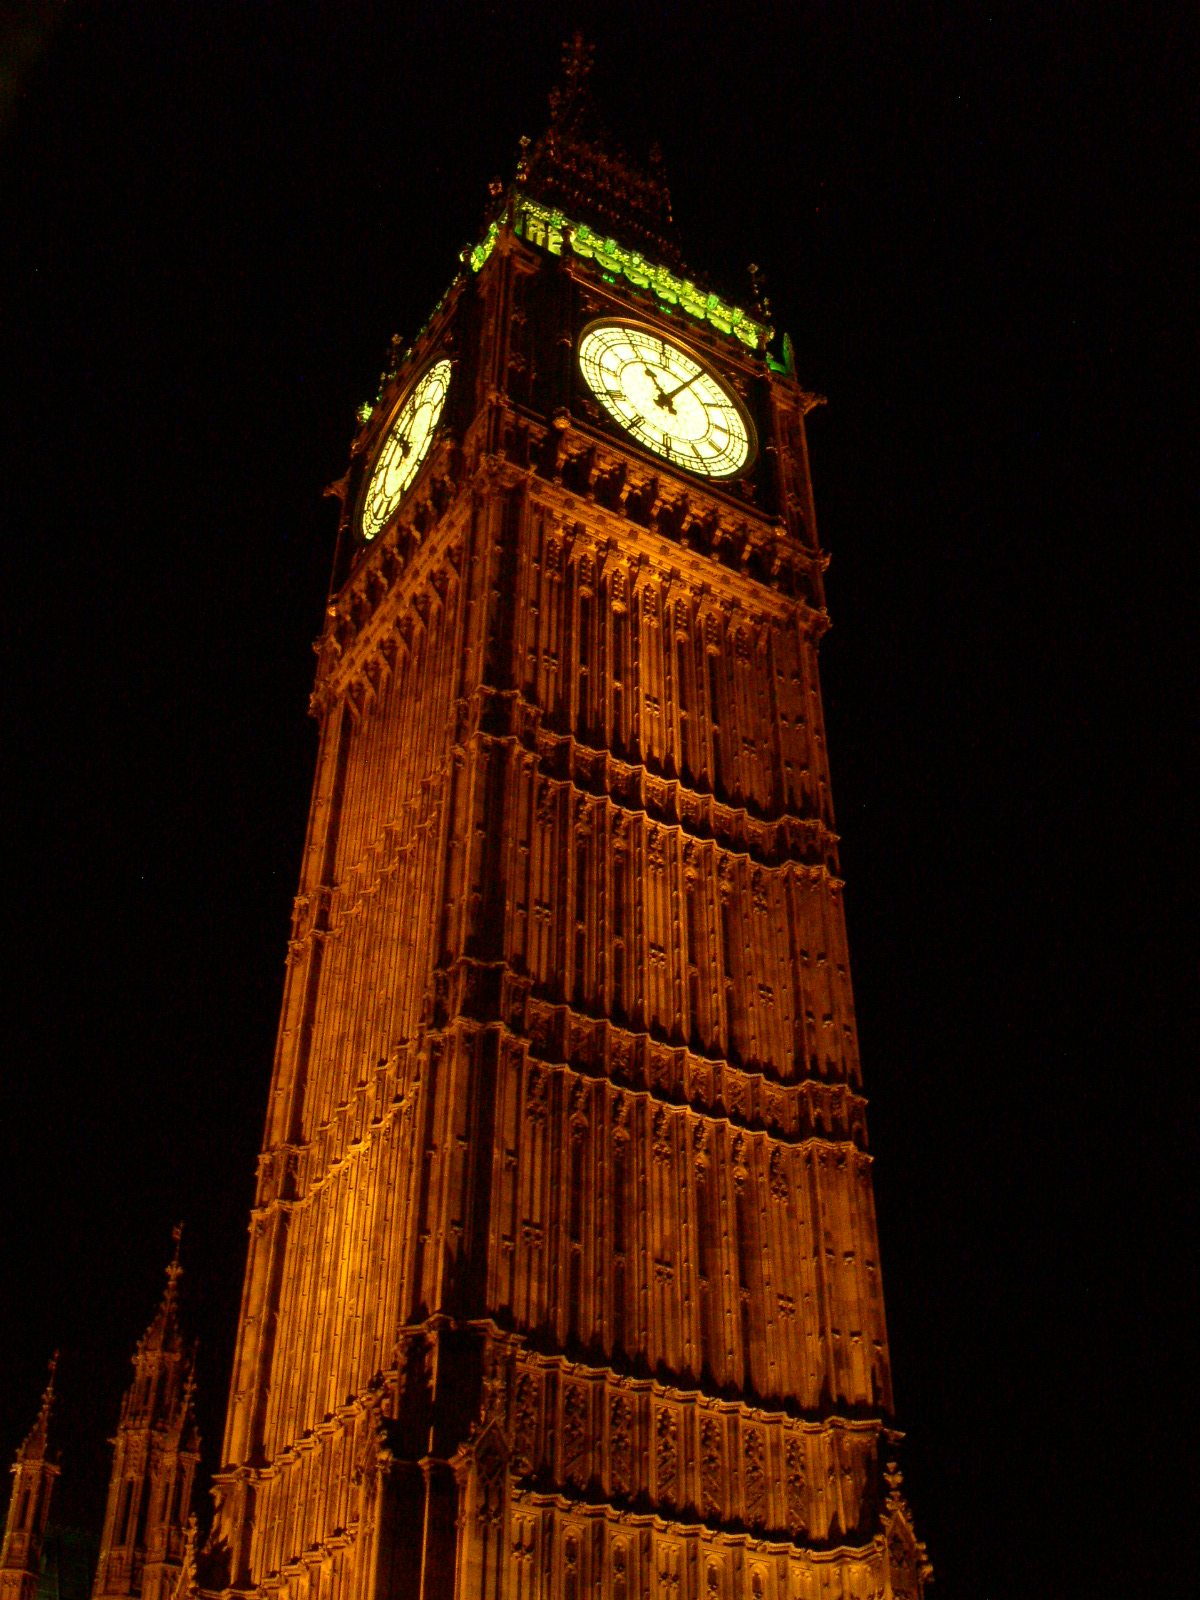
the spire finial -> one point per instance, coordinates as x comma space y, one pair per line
48, 1394
567, 99
174, 1270
37, 1442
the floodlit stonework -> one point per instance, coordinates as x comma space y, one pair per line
563, 1275
156, 1451
34, 1472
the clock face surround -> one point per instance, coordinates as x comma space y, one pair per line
666, 398
405, 447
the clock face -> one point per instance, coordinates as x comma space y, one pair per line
666, 399
406, 446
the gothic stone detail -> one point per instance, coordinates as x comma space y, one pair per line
143, 1542
567, 1046
671, 1449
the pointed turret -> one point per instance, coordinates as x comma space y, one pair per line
34, 1472
155, 1454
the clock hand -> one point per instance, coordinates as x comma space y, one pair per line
667, 398
649, 371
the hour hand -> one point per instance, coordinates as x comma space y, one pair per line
650, 373
662, 399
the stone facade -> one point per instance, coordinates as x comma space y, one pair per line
563, 1275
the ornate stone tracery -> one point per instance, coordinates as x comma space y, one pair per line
564, 1247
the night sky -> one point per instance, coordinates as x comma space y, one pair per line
976, 222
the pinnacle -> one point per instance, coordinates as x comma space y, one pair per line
164, 1332
38, 1438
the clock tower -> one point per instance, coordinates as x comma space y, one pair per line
563, 1275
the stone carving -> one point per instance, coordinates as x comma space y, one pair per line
736, 1091
537, 1095
666, 1452
575, 1420
777, 1179
619, 1054
581, 1043
908, 1563
900, 1567
656, 850
539, 1026
777, 1108
571, 1567
662, 1135
754, 1473
712, 1468
701, 1153
620, 1564
522, 1542
620, 1444
579, 1109
525, 1410
620, 1119
741, 1169
794, 1461
489, 1469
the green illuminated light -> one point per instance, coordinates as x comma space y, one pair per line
549, 228
484, 249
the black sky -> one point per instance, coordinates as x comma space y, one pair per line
978, 225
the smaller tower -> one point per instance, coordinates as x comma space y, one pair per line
155, 1454
34, 1472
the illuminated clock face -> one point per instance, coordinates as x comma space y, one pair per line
666, 399
406, 446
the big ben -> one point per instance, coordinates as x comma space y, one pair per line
563, 1275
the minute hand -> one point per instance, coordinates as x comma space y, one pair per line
688, 382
